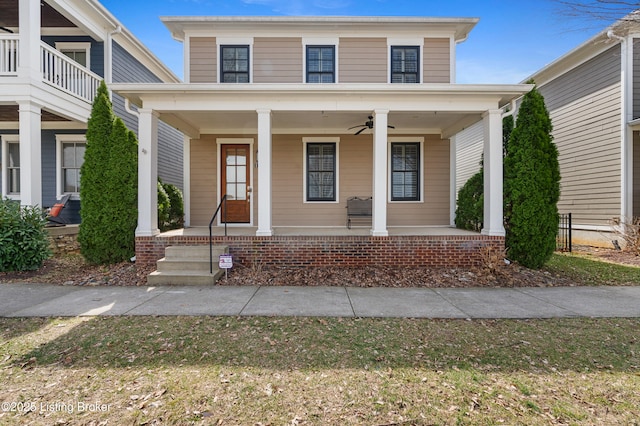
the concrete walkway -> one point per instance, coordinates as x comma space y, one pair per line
40, 300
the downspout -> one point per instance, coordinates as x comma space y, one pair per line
108, 53
626, 134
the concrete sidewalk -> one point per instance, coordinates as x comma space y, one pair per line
40, 300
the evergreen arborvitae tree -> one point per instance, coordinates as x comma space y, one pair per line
93, 197
108, 186
122, 193
531, 185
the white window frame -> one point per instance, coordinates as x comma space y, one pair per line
406, 139
4, 159
233, 41
308, 140
76, 46
406, 42
60, 140
321, 41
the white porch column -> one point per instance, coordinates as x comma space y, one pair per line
29, 65
147, 173
30, 153
264, 174
493, 184
380, 156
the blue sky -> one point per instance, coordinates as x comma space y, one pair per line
512, 40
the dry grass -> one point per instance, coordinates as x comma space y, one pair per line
289, 371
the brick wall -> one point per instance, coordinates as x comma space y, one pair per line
433, 251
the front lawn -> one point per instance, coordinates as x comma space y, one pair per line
318, 371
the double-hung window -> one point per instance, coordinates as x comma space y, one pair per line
321, 61
405, 64
321, 171
12, 168
71, 159
405, 172
234, 66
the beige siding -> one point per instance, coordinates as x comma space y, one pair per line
469, 147
437, 60
289, 209
202, 60
204, 178
355, 162
584, 106
204, 181
363, 60
434, 209
277, 60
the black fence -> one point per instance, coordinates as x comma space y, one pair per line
563, 239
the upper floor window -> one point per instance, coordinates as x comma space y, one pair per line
321, 64
405, 62
79, 52
235, 64
405, 172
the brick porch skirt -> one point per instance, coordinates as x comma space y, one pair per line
336, 251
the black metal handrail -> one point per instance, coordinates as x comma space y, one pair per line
223, 200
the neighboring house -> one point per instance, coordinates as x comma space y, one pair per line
48, 77
593, 97
270, 108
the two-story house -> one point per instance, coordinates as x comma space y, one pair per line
592, 94
291, 116
53, 55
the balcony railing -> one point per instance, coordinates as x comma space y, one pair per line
57, 69
8, 54
67, 75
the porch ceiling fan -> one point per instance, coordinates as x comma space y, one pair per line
367, 125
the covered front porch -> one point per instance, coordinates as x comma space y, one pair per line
300, 159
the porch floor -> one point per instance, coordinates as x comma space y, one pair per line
199, 231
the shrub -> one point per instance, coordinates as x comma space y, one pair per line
470, 210
24, 242
531, 185
163, 207
176, 206
170, 207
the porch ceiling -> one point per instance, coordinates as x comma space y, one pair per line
49, 16
322, 109
316, 122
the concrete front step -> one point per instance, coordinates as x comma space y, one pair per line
183, 278
188, 265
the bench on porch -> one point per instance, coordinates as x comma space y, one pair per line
358, 208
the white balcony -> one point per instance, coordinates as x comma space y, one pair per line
67, 75
57, 70
9, 54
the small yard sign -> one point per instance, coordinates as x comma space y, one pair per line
226, 261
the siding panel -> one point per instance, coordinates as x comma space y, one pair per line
436, 60
469, 148
363, 60
202, 60
277, 60
434, 210
584, 106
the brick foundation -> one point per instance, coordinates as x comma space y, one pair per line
341, 251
